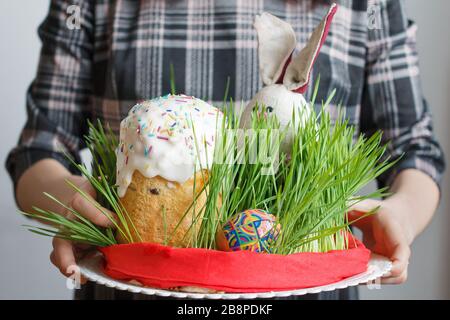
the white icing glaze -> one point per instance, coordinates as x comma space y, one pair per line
171, 136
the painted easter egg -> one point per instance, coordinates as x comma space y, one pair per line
250, 230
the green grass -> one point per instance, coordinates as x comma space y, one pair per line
309, 191
102, 144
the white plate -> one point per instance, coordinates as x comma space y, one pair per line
91, 269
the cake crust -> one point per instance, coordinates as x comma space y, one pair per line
158, 209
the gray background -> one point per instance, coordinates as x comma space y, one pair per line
25, 271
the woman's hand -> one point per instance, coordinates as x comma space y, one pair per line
50, 176
65, 252
387, 233
399, 220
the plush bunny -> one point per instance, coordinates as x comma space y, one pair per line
285, 77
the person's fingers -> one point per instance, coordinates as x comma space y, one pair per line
52, 258
88, 207
83, 280
357, 211
365, 206
82, 250
396, 280
393, 244
89, 189
400, 260
88, 210
63, 258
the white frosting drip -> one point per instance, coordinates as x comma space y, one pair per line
171, 136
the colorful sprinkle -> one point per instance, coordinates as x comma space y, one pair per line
169, 118
147, 151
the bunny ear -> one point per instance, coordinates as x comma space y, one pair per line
277, 41
298, 72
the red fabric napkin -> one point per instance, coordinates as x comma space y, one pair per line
165, 267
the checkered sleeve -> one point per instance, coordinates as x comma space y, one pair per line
393, 99
57, 100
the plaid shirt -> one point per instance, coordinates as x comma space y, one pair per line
123, 50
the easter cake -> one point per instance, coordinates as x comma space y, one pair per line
164, 147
